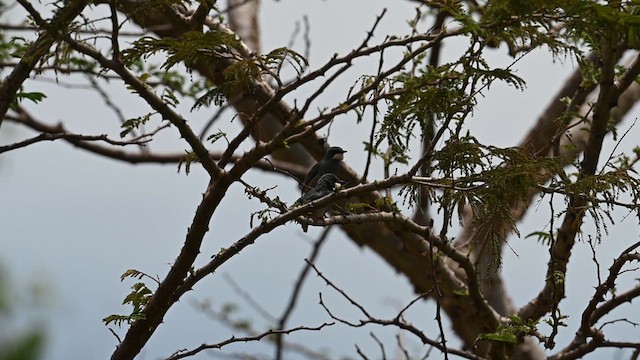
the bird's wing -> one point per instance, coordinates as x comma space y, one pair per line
311, 174
312, 195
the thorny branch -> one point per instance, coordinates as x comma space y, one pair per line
297, 288
70, 137
240, 326
293, 129
561, 250
594, 312
147, 157
187, 353
37, 50
397, 321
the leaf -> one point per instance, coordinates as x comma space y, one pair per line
132, 124
144, 77
116, 319
214, 96
507, 338
169, 97
541, 236
34, 97
189, 158
276, 57
355, 207
132, 273
558, 277
464, 292
216, 136
192, 47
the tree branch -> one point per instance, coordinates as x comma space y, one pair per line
397, 321
554, 288
53, 31
186, 353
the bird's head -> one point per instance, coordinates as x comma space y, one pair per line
335, 153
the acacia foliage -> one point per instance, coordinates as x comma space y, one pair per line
413, 103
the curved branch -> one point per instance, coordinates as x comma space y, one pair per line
553, 290
396, 321
155, 102
53, 31
245, 339
592, 313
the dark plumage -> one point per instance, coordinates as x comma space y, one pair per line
327, 184
329, 164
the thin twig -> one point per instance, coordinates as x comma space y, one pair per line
187, 353
249, 299
396, 322
69, 137
297, 288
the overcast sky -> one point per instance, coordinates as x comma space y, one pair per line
71, 222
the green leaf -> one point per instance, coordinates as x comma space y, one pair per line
189, 158
34, 97
214, 96
132, 124
464, 292
558, 277
540, 235
144, 77
504, 337
216, 136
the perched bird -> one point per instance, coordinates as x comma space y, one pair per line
327, 184
329, 164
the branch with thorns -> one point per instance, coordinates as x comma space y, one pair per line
397, 321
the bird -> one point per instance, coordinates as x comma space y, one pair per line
327, 184
329, 164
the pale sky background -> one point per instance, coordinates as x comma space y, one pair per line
71, 222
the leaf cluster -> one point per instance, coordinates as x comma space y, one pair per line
137, 298
34, 97
489, 180
435, 93
217, 50
512, 332
189, 158
132, 124
178, 82
521, 25
603, 193
13, 48
616, 22
193, 48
